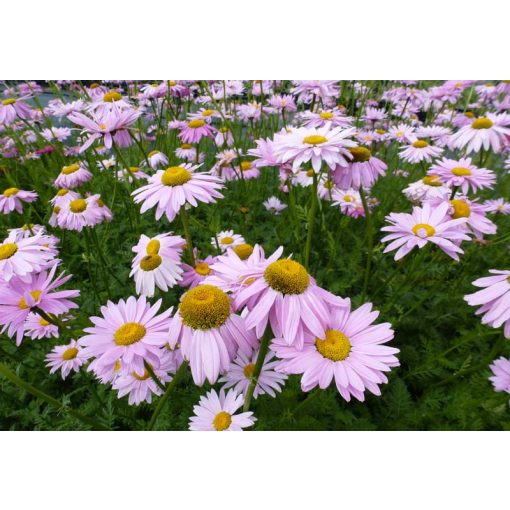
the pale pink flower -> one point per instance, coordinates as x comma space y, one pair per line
193, 276
12, 199
274, 205
362, 171
36, 327
66, 358
420, 150
72, 176
501, 374
195, 130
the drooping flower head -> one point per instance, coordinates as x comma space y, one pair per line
12, 200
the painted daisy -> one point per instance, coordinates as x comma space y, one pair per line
227, 239
66, 358
501, 374
420, 150
363, 170
12, 200
72, 176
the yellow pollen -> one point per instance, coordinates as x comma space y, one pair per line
7, 250
482, 123
116, 368
202, 269
152, 153
348, 198
150, 262
335, 346
62, 192
23, 304
227, 240
56, 209
111, 97
432, 180
380, 131
423, 230
175, 176
207, 113
171, 83
70, 353
329, 184
469, 115
141, 377
7, 102
420, 144
222, 421
460, 209
70, 169
43, 322
310, 172
205, 307
9, 192
360, 154
399, 134
153, 247
326, 115
27, 226
196, 123
245, 165
248, 370
243, 250
186, 146
129, 333
78, 205
223, 129
460, 171
287, 276
103, 127
315, 139
94, 85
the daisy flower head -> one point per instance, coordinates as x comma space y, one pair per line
157, 263
130, 332
428, 188
241, 370
132, 174
66, 358
63, 196
420, 150
318, 145
463, 174
216, 412
362, 170
349, 202
402, 133
501, 374
12, 200
78, 213
170, 189
11, 108
335, 117
487, 132
227, 239
36, 327
424, 225
351, 352
186, 151
72, 176
498, 205
156, 159
195, 275
274, 205
209, 333
493, 299
195, 130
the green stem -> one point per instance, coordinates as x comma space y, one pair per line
311, 219
173, 383
187, 234
370, 242
154, 377
11, 376
264, 347
51, 319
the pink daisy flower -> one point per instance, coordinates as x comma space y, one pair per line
335, 117
12, 199
501, 378
11, 109
195, 130
498, 205
274, 205
227, 239
66, 358
36, 327
170, 189
488, 132
128, 331
351, 352
362, 171
420, 150
349, 202
208, 332
241, 371
424, 225
157, 159
216, 412
428, 188
494, 299
193, 276
78, 213
402, 133
72, 176
463, 174
63, 196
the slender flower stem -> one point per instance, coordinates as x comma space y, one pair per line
264, 347
51, 319
162, 401
154, 377
370, 241
311, 220
187, 234
11, 376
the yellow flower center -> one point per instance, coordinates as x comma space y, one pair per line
111, 97
103, 126
207, 113
70, 353
94, 85
43, 322
175, 176
315, 139
423, 230
243, 251
62, 192
153, 247
70, 169
287, 276
460, 171
186, 146
348, 198
482, 123
420, 144
171, 83
310, 172
152, 153
202, 269
223, 129
23, 304
196, 123
133, 169
380, 131
56, 209
329, 184
245, 165
335, 346
222, 421
7, 250
248, 370
7, 102
431, 180
461, 209
205, 307
9, 192
129, 333
360, 154
399, 134
326, 115
78, 205
142, 377
150, 262
227, 240
469, 115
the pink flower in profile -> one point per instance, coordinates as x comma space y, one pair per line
72, 176
12, 199
36, 327
12, 108
498, 205
18, 298
66, 358
274, 205
263, 153
420, 150
217, 413
170, 189
494, 299
129, 331
196, 275
424, 225
351, 352
362, 171
349, 202
462, 173
195, 130
488, 132
501, 374
208, 332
